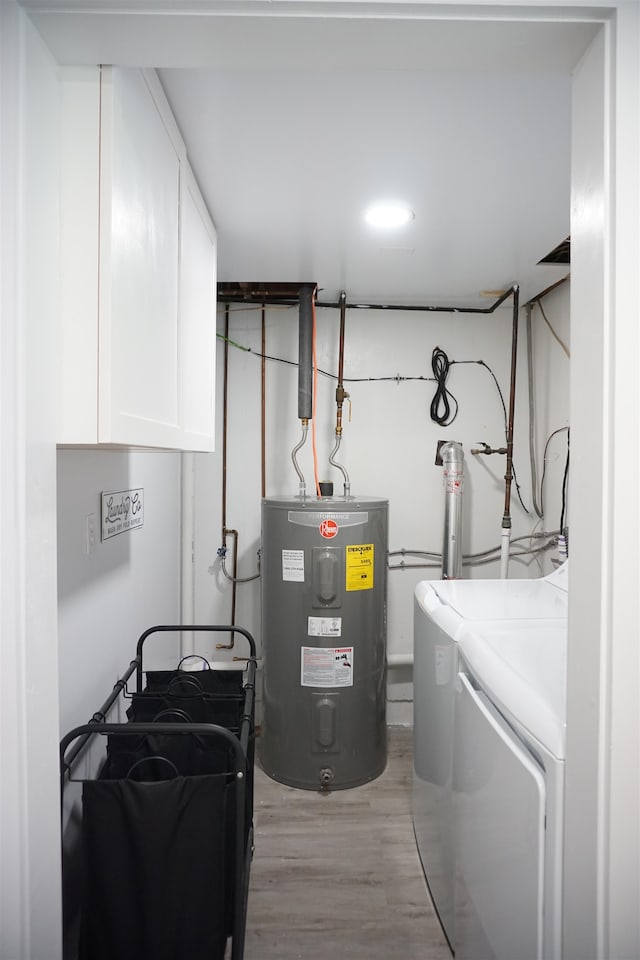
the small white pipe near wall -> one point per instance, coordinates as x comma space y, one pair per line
187, 580
505, 541
399, 659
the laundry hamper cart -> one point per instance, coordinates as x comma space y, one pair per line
166, 830
204, 694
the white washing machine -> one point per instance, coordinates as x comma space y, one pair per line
508, 785
441, 610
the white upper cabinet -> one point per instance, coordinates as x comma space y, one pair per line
138, 270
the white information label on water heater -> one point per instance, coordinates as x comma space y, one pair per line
324, 626
293, 565
326, 667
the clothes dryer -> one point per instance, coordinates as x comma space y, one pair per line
441, 610
508, 786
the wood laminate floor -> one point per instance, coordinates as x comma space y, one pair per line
338, 875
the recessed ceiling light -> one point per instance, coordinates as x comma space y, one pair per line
388, 215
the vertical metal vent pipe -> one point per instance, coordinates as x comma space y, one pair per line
453, 476
305, 374
305, 353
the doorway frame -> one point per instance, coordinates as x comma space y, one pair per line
602, 844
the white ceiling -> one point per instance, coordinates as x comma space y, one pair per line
294, 124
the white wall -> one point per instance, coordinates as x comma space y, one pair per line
131, 582
389, 443
106, 598
551, 379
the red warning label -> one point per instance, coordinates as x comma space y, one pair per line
328, 529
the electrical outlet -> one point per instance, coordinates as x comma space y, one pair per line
90, 534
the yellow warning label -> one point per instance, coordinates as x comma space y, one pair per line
360, 566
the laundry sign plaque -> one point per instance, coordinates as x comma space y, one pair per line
122, 510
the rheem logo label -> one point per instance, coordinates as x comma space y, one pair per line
328, 529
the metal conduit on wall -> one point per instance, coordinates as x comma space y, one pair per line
281, 294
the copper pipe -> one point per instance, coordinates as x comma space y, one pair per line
225, 530
486, 450
234, 586
341, 394
340, 391
263, 406
508, 477
343, 311
232, 533
225, 382
547, 290
225, 392
289, 297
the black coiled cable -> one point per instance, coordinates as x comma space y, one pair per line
565, 480
440, 408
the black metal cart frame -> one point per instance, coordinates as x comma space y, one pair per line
77, 739
214, 628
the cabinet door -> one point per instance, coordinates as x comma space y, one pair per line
197, 317
138, 286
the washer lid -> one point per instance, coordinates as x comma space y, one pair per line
503, 599
560, 577
523, 669
429, 609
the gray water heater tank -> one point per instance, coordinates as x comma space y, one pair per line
324, 586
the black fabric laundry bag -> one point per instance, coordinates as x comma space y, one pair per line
156, 879
192, 755
190, 681
224, 710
